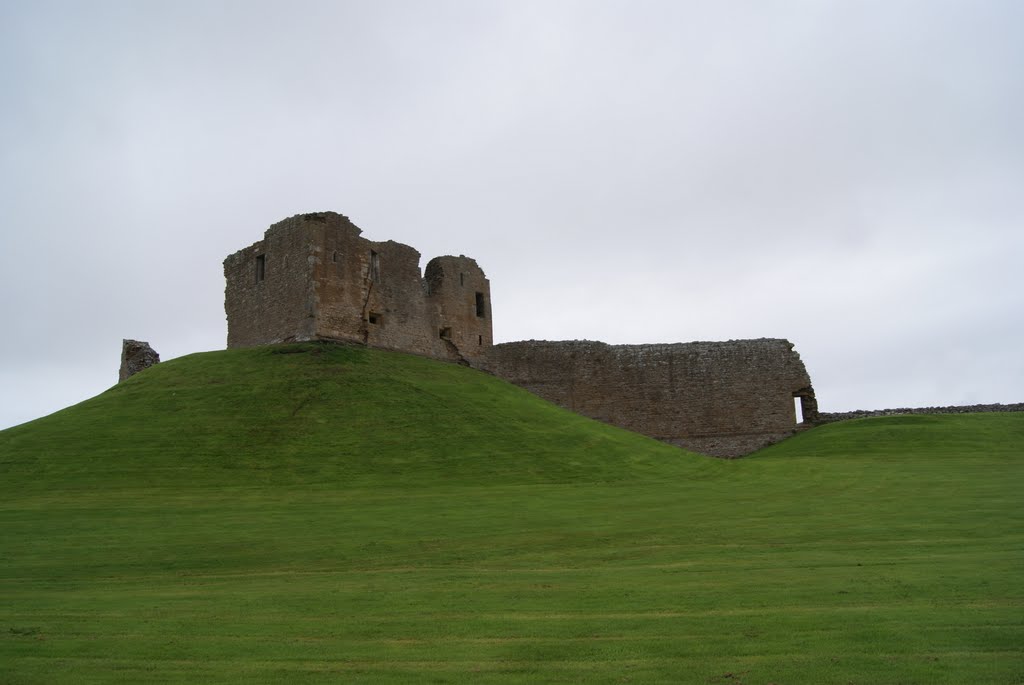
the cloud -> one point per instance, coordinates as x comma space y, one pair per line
842, 174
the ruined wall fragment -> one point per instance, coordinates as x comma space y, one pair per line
135, 356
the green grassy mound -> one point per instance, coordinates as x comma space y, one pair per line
320, 514
323, 416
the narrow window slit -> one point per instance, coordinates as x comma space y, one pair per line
374, 267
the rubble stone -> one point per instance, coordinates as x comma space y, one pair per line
136, 356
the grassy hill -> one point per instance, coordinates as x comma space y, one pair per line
321, 514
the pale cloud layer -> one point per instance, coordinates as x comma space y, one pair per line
845, 174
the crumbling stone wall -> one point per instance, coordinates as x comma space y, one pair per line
314, 277
136, 356
725, 399
832, 417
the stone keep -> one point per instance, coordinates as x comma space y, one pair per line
313, 277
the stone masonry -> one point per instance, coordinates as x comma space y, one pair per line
136, 356
726, 399
314, 277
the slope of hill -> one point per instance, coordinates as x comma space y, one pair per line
314, 513
316, 414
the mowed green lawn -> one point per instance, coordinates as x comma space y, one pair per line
320, 514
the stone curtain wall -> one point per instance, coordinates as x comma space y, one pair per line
323, 281
725, 399
831, 417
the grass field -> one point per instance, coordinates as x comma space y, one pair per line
319, 514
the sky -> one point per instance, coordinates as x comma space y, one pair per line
846, 174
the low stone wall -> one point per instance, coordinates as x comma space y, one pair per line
831, 417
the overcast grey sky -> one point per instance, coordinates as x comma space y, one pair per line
844, 174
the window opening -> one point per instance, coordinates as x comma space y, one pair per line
462, 279
798, 408
374, 318
334, 257
446, 333
479, 340
480, 307
261, 267
374, 267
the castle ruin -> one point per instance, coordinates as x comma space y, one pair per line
313, 277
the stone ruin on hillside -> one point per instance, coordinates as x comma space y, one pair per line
135, 356
314, 277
